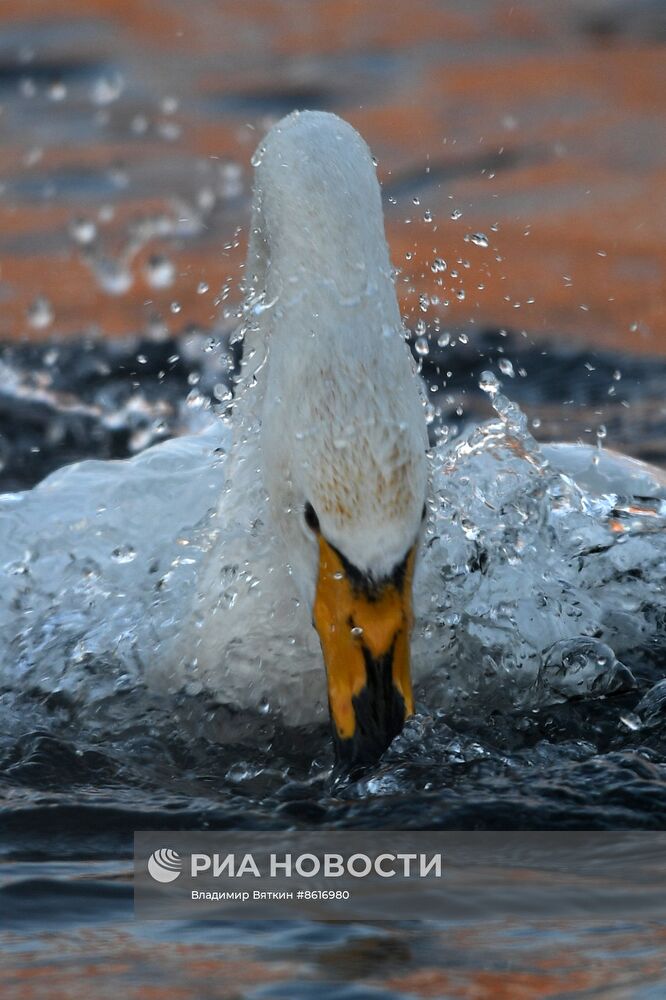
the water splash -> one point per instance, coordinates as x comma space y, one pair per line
539, 582
528, 587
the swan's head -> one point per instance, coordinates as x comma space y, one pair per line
343, 428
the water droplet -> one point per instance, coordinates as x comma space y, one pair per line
113, 276
160, 271
456, 214
489, 383
57, 91
83, 231
40, 313
107, 89
260, 305
438, 265
169, 130
139, 125
478, 239
123, 554
357, 631
258, 156
222, 393
444, 340
169, 105
579, 666
427, 215
631, 721
506, 367
118, 176
421, 346
202, 288
175, 307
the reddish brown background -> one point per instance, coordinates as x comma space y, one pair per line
543, 119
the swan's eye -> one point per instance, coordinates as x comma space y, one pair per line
311, 518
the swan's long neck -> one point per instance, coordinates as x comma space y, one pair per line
335, 398
340, 423
317, 262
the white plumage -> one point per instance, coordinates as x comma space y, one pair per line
330, 411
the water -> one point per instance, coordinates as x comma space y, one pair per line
539, 647
339, 962
543, 615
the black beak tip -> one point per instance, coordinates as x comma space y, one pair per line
377, 725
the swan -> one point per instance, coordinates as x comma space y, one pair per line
307, 555
329, 481
337, 435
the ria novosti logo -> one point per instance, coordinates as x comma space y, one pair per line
165, 865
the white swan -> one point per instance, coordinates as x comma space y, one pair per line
334, 426
328, 472
204, 562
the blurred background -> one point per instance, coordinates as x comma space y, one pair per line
522, 151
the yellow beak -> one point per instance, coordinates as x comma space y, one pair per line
364, 630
